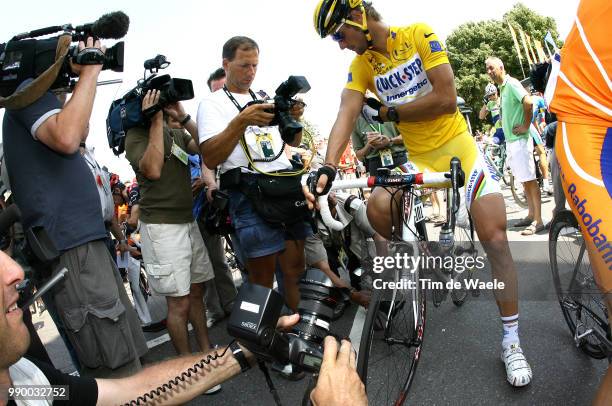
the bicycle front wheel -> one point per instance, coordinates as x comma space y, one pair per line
518, 192
391, 343
581, 302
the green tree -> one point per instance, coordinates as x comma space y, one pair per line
471, 43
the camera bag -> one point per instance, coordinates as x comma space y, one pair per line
123, 114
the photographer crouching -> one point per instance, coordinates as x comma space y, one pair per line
338, 381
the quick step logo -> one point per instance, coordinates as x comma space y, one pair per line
404, 83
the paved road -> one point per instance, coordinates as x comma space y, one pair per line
461, 354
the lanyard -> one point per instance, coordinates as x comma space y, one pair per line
374, 129
231, 97
371, 125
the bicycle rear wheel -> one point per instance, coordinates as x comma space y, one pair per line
391, 341
581, 302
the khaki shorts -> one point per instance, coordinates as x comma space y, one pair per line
314, 250
174, 257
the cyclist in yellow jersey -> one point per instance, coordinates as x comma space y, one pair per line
408, 69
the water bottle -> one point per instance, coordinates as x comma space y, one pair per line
447, 239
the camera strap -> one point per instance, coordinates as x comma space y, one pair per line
233, 99
243, 143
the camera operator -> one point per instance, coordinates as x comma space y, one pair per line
41, 144
223, 120
173, 251
338, 383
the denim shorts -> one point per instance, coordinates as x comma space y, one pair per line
256, 237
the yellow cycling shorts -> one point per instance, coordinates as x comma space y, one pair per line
480, 177
584, 152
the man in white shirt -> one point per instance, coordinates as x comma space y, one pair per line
223, 120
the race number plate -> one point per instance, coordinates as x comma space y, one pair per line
418, 210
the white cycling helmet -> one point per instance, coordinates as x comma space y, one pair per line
490, 89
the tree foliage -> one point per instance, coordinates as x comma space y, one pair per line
471, 43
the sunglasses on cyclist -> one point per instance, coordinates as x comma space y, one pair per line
337, 36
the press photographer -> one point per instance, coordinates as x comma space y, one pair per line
173, 251
54, 189
338, 382
236, 133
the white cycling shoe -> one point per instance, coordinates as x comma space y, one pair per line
518, 371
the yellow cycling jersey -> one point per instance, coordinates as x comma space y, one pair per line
402, 78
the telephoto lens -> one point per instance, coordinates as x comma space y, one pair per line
318, 298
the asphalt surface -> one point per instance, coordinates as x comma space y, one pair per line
460, 362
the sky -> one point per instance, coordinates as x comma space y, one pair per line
191, 35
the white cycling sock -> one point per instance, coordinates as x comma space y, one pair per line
510, 325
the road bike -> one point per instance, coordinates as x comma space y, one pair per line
389, 335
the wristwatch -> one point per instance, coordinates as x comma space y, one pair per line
240, 357
392, 115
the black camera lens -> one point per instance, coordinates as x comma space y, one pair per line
318, 298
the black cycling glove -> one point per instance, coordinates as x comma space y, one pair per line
313, 180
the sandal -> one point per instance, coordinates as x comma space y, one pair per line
533, 229
530, 230
523, 223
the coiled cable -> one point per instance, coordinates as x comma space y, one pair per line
171, 384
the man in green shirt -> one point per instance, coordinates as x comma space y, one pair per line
175, 257
516, 113
378, 145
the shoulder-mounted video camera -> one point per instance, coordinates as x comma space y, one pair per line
287, 125
126, 112
25, 57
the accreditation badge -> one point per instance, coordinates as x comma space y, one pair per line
386, 157
180, 153
264, 141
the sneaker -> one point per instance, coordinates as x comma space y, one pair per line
288, 371
213, 390
212, 319
518, 371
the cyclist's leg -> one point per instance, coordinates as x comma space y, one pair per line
585, 159
539, 147
488, 211
379, 206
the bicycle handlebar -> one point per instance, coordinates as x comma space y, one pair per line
429, 179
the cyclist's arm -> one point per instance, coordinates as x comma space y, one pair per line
440, 101
483, 112
350, 106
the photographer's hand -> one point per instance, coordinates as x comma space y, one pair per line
152, 161
256, 114
338, 383
83, 70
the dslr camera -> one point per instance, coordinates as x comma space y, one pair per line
25, 57
126, 112
287, 125
256, 312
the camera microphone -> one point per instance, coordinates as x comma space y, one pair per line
113, 25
